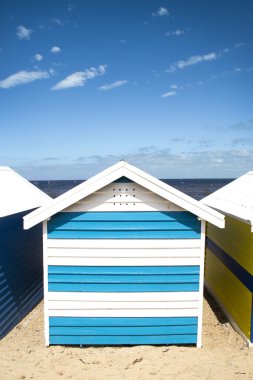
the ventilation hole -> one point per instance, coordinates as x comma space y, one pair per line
134, 196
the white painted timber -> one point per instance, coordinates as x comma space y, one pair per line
142, 313
90, 305
124, 252
45, 275
122, 261
123, 197
115, 297
201, 282
124, 243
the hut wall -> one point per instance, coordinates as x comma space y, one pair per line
229, 271
21, 270
123, 266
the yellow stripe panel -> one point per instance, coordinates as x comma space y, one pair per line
236, 240
233, 295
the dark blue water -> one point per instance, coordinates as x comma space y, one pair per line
196, 188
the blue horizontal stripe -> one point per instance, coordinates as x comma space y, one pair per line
127, 270
124, 225
123, 235
124, 340
115, 288
244, 276
120, 331
123, 279
118, 216
125, 321
114, 331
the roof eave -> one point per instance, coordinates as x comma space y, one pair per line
136, 175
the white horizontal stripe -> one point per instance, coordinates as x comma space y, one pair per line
144, 296
123, 206
90, 305
122, 261
127, 253
124, 243
125, 313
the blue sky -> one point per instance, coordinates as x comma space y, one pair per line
165, 85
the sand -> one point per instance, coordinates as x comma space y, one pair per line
224, 355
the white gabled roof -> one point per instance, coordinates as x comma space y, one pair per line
235, 199
17, 194
123, 169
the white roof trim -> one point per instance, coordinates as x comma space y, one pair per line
235, 199
17, 194
111, 174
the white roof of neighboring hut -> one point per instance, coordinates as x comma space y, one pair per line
17, 194
123, 169
235, 199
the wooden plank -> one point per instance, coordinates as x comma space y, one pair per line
128, 340
69, 321
124, 234
124, 226
120, 287
134, 297
124, 252
117, 313
122, 261
125, 331
123, 206
91, 305
123, 216
124, 243
104, 272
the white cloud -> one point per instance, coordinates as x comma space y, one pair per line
23, 33
240, 44
110, 86
79, 78
55, 49
167, 94
23, 77
194, 60
177, 32
174, 86
161, 12
52, 72
38, 57
57, 21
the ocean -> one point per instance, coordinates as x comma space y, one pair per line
196, 188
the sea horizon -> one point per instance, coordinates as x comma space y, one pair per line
197, 188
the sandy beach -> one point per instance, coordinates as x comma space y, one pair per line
224, 355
